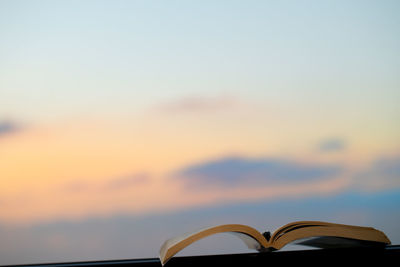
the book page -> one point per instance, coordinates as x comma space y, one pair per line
306, 229
252, 238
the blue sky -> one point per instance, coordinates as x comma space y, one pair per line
89, 54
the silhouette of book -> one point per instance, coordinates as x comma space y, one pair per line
310, 233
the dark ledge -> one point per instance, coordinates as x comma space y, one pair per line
314, 257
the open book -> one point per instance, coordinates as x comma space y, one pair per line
325, 235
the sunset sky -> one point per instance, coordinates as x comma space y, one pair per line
149, 118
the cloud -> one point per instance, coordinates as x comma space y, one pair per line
383, 174
233, 171
116, 183
200, 104
127, 181
8, 127
332, 144
217, 182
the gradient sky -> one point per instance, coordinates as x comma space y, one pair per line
114, 114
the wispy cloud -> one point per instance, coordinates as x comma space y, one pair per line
332, 145
8, 127
116, 183
233, 171
382, 174
127, 181
200, 104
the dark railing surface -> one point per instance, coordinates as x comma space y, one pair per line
315, 257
